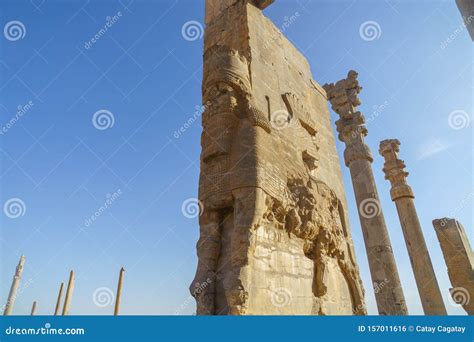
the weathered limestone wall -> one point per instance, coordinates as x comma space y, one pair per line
277, 68
274, 235
459, 259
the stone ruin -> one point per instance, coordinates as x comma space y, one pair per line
459, 259
274, 235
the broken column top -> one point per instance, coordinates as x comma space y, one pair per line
449, 229
21, 263
394, 167
343, 95
389, 146
215, 7
344, 99
447, 223
457, 251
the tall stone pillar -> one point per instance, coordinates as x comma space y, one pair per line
33, 309
357, 156
68, 297
459, 259
118, 297
14, 287
57, 310
402, 195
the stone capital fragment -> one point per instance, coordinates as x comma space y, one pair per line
394, 169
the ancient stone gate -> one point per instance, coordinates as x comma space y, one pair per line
274, 233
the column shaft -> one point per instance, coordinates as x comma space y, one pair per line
67, 299
383, 269
119, 292
344, 99
33, 309
430, 294
58, 302
402, 195
14, 287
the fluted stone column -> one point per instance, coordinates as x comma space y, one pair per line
14, 287
357, 156
402, 195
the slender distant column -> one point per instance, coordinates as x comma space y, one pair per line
402, 195
14, 287
67, 299
357, 156
119, 292
33, 309
58, 302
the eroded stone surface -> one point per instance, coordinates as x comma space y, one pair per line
459, 259
274, 233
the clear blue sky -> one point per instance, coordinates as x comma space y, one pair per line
148, 76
